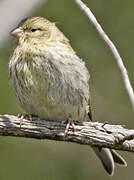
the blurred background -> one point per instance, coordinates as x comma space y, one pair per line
32, 159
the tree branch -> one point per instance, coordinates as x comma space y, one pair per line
111, 46
86, 133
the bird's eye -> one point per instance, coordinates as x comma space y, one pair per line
33, 30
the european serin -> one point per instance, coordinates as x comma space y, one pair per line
50, 80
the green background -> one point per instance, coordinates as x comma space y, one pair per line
31, 159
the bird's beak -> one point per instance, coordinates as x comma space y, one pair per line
17, 33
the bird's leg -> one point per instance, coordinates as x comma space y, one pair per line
69, 122
21, 117
25, 116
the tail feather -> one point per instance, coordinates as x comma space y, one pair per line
118, 159
108, 157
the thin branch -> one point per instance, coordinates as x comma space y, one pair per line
111, 46
86, 133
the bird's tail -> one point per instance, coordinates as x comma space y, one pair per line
108, 158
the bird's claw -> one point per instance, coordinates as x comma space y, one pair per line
69, 122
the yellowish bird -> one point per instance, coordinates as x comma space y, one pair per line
50, 80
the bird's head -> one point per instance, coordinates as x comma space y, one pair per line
37, 29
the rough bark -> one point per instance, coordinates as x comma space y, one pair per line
86, 133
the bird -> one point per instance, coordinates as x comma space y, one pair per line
50, 80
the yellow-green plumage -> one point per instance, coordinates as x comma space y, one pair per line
50, 80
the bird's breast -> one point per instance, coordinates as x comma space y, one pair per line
51, 85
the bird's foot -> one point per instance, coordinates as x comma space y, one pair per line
69, 122
25, 116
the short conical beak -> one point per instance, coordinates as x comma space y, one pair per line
17, 33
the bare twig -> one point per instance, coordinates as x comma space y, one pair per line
86, 133
111, 46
